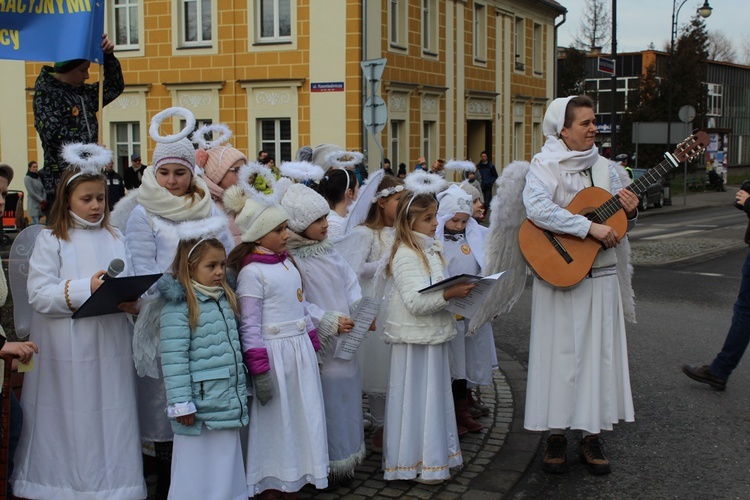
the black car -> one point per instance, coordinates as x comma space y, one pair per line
654, 193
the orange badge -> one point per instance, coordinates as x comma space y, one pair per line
465, 249
299, 294
75, 111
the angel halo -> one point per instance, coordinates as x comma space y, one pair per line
87, 158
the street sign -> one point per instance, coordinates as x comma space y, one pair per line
606, 65
375, 114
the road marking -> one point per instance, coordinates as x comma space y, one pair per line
696, 273
703, 225
672, 235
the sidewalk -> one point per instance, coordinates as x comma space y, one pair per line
496, 458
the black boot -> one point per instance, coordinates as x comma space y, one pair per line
163, 468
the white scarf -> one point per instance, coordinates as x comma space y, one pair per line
561, 169
159, 201
212, 292
80, 223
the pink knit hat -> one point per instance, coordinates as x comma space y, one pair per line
217, 161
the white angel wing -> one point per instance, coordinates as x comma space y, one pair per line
502, 252
351, 248
361, 206
146, 346
18, 274
121, 213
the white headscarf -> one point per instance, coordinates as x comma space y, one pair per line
557, 166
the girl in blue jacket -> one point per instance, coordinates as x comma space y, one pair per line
204, 374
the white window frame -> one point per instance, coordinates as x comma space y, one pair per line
429, 19
715, 99
394, 140
518, 141
538, 61
131, 145
256, 43
132, 9
198, 47
277, 141
519, 45
480, 33
397, 25
276, 37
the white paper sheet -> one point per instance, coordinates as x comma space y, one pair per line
366, 312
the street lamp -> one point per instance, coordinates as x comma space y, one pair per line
704, 11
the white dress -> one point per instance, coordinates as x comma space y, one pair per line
331, 286
474, 357
287, 444
336, 225
374, 353
578, 355
80, 436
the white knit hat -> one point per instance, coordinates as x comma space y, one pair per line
181, 152
454, 200
253, 219
304, 206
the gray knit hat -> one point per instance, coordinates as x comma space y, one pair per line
181, 152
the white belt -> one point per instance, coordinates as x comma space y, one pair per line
286, 329
598, 272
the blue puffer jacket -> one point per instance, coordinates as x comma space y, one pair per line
204, 366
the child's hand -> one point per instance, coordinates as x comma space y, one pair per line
373, 326
345, 325
186, 420
24, 350
96, 280
459, 290
129, 307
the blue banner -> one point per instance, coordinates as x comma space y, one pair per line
51, 30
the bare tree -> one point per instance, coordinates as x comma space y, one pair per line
745, 50
720, 47
596, 26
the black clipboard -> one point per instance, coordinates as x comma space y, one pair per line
453, 280
113, 292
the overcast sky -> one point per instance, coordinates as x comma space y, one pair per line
640, 22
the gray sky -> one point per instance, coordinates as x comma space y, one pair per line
640, 22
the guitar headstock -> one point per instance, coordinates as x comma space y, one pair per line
689, 149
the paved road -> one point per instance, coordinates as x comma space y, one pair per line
688, 441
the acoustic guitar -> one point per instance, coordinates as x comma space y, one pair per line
564, 260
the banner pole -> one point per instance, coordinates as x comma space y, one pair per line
101, 104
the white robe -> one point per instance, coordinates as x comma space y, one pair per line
331, 286
80, 437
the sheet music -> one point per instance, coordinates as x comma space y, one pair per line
366, 312
468, 306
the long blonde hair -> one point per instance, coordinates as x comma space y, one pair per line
409, 210
183, 267
60, 219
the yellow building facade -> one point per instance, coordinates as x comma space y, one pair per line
461, 76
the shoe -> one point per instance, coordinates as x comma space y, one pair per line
475, 401
555, 461
377, 441
419, 480
463, 417
461, 430
703, 375
592, 455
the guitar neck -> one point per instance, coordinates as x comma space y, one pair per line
611, 206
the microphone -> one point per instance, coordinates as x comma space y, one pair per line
115, 267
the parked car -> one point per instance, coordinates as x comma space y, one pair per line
654, 193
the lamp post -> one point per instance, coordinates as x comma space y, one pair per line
704, 11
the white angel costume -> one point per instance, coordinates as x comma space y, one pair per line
80, 437
332, 290
578, 360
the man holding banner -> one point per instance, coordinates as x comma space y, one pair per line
65, 108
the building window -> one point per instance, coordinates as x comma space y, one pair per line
520, 46
276, 138
429, 26
715, 99
538, 44
394, 152
480, 32
274, 20
125, 22
428, 133
195, 22
127, 141
397, 20
536, 138
600, 90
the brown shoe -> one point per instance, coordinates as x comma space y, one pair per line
461, 430
476, 404
554, 460
463, 417
592, 455
703, 375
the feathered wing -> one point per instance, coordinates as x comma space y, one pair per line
361, 206
146, 336
624, 266
121, 213
18, 275
502, 252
